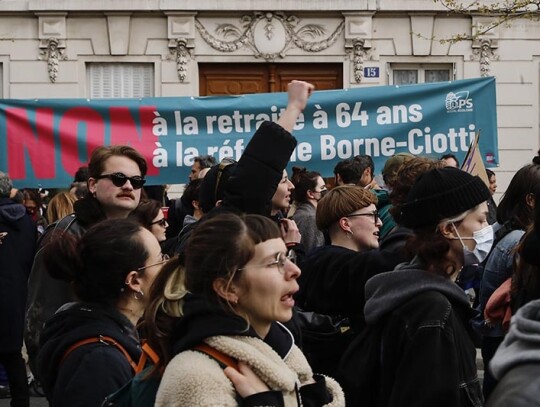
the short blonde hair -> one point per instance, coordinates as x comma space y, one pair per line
342, 201
60, 206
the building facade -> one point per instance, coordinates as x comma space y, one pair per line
136, 48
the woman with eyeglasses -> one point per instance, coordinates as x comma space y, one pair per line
232, 294
309, 188
149, 214
87, 349
334, 275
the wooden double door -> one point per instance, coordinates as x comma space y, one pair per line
239, 79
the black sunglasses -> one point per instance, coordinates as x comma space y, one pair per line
119, 179
162, 222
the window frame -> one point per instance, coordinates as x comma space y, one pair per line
421, 68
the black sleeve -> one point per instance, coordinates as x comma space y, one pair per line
267, 398
260, 168
315, 394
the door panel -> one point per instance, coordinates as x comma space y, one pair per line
232, 79
235, 79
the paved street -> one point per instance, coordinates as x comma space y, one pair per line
34, 402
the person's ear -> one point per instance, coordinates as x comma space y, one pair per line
530, 200
133, 281
344, 224
311, 194
225, 290
92, 185
448, 230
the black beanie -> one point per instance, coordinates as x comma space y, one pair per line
439, 194
213, 184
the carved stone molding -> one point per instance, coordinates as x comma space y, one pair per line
181, 53
484, 52
53, 50
269, 35
52, 44
359, 53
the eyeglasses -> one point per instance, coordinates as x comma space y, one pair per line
280, 261
162, 222
119, 179
374, 214
164, 259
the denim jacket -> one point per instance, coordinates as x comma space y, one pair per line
497, 269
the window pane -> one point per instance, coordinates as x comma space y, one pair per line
120, 80
405, 77
437, 75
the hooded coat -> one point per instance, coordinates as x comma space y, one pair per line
45, 293
195, 379
516, 363
16, 253
424, 355
92, 371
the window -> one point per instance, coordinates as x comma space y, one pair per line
1, 80
120, 80
406, 74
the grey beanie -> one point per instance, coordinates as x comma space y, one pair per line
442, 193
5, 185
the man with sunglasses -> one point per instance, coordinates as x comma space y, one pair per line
115, 179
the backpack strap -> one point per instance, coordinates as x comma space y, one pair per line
223, 359
107, 340
147, 353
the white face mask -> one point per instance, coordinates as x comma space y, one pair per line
484, 242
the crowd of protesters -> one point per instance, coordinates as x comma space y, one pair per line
256, 289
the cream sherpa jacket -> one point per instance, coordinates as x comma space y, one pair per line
196, 379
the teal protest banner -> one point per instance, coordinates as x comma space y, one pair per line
43, 142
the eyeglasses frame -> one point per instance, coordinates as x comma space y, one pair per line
164, 259
290, 256
374, 214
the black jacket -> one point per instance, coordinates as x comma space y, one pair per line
16, 253
45, 293
92, 371
424, 354
202, 320
333, 279
332, 286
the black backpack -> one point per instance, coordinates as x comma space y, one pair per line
360, 367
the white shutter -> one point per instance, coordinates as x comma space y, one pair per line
120, 80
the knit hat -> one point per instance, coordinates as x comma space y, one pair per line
442, 193
5, 185
392, 165
213, 184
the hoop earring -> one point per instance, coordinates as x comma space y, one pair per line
349, 234
138, 295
